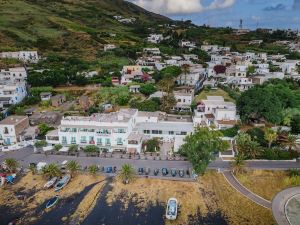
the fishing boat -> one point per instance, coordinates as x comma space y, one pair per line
62, 182
172, 207
52, 202
50, 183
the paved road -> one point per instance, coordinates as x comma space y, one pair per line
244, 191
26, 155
279, 202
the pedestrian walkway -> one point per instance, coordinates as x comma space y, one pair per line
246, 192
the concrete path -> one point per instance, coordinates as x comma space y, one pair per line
244, 191
279, 204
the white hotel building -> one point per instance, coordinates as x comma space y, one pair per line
124, 130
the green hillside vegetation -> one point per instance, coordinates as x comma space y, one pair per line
72, 27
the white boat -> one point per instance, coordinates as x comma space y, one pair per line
62, 182
172, 209
50, 183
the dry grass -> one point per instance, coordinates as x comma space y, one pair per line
34, 184
148, 192
88, 203
264, 183
219, 195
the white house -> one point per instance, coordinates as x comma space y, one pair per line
25, 56
215, 111
12, 93
16, 74
155, 38
187, 44
184, 98
152, 51
12, 129
108, 47
242, 83
124, 130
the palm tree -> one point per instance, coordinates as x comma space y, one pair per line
93, 169
73, 166
186, 70
127, 173
237, 166
270, 136
51, 170
11, 164
32, 168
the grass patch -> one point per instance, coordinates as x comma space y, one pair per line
218, 92
265, 183
218, 194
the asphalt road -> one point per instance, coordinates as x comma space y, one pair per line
26, 156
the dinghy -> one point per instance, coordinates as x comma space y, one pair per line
62, 182
172, 207
52, 202
50, 183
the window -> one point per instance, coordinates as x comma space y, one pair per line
73, 140
74, 130
120, 131
107, 141
91, 140
183, 133
156, 132
171, 132
83, 139
119, 141
6, 130
64, 140
146, 131
99, 141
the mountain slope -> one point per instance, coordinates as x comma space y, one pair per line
77, 27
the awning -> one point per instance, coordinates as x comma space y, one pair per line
64, 149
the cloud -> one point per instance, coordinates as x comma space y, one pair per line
171, 7
277, 7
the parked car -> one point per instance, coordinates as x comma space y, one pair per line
181, 173
156, 172
164, 171
147, 171
109, 169
141, 171
173, 172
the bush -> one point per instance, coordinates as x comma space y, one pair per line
278, 154
258, 135
147, 89
73, 148
40, 144
152, 145
57, 147
91, 149
231, 132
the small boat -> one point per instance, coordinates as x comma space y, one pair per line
62, 182
52, 202
172, 209
50, 183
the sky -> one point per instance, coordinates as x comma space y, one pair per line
217, 13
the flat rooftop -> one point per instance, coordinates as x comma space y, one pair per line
13, 120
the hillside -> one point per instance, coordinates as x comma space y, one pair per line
77, 27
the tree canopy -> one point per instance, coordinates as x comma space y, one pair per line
200, 147
268, 101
